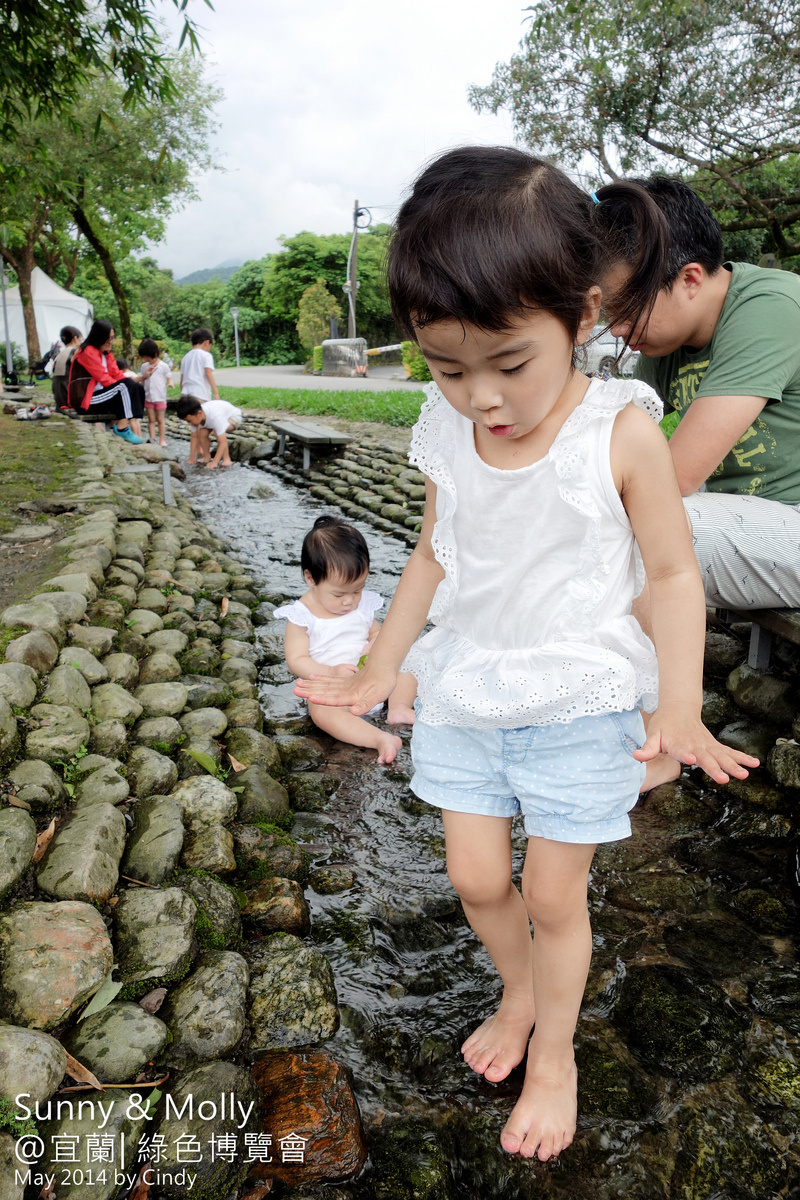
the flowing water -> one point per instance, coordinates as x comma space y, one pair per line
689, 1039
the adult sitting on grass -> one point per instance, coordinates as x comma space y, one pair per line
107, 388
720, 343
207, 417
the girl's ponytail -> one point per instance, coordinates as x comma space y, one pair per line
635, 234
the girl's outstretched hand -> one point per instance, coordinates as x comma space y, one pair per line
359, 692
676, 730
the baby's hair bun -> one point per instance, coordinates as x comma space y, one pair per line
321, 522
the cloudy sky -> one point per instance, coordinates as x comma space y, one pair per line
327, 103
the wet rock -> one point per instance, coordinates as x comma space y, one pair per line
783, 763
209, 849
154, 844
123, 1129
271, 644
755, 826
751, 737
159, 668
205, 801
680, 806
219, 924
37, 784
82, 860
77, 581
764, 696
110, 702
56, 733
150, 773
204, 722
250, 747
93, 672
67, 686
329, 880
409, 1162
277, 904
162, 699
54, 957
163, 734
206, 1013
238, 669
245, 714
209, 630
18, 684
118, 1042
41, 616
154, 936
292, 999
203, 1087
103, 786
658, 891
204, 691
109, 737
711, 1153
307, 792
267, 852
70, 606
677, 1024
202, 657
772, 1077
17, 844
122, 669
9, 737
36, 649
262, 798
244, 689
299, 754
109, 611
32, 1063
236, 649
144, 621
756, 789
718, 709
763, 911
312, 1091
236, 626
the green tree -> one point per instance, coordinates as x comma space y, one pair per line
316, 308
708, 87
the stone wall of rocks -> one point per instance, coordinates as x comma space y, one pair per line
129, 712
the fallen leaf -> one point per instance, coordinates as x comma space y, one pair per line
47, 1192
204, 760
103, 996
223, 608
43, 840
153, 1000
141, 1188
81, 1074
15, 802
237, 766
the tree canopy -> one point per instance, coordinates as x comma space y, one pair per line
709, 88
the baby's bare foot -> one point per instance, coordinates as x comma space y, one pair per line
499, 1044
400, 714
661, 769
543, 1119
387, 747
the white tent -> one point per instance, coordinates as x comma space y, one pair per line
53, 308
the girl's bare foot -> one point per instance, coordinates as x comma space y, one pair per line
387, 747
400, 714
661, 769
162, 443
499, 1044
543, 1119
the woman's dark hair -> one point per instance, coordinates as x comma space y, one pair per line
148, 348
631, 212
202, 335
98, 335
487, 234
333, 547
187, 406
69, 333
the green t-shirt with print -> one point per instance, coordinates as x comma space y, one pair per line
754, 351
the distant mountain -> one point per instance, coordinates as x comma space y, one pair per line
222, 270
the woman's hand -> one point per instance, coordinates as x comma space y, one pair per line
675, 729
359, 691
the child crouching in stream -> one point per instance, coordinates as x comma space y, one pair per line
333, 626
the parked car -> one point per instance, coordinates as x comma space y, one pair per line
602, 351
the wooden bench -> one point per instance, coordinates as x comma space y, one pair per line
785, 622
308, 435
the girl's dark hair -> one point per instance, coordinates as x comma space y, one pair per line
333, 547
97, 335
489, 233
69, 333
187, 406
149, 348
631, 213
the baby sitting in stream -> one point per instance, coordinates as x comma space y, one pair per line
333, 626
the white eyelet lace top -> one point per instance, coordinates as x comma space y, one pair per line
533, 623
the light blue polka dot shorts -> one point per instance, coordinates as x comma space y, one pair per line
571, 783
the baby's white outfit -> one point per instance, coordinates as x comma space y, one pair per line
335, 640
532, 620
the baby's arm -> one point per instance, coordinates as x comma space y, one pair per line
645, 477
407, 617
300, 662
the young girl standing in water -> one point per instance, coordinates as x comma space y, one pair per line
540, 482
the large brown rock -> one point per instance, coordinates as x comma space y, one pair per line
304, 1092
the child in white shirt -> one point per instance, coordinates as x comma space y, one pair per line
157, 378
197, 368
331, 628
211, 416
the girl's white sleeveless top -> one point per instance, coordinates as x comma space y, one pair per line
532, 620
335, 640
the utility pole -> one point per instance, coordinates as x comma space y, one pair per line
353, 280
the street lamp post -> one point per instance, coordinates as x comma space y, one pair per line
235, 315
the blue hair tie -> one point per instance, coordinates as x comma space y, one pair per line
593, 196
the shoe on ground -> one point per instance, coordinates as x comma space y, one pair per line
23, 414
127, 435
41, 412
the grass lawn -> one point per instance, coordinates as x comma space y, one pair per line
387, 408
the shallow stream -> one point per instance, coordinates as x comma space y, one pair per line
689, 1039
